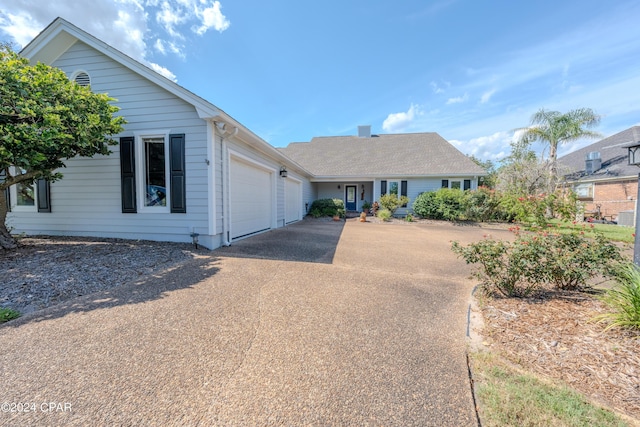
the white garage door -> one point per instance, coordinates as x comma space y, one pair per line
293, 201
250, 198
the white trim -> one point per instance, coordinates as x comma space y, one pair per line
141, 191
211, 176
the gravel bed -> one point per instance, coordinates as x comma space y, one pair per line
45, 271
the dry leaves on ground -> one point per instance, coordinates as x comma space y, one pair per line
555, 337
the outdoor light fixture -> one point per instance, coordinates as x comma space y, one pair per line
633, 151
194, 237
283, 172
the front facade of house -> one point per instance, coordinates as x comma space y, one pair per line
361, 168
184, 168
602, 178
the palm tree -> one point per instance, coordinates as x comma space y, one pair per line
554, 128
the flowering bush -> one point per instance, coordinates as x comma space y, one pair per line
564, 261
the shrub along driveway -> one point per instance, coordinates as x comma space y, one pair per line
319, 323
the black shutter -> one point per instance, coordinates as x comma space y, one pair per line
403, 190
445, 183
467, 184
383, 188
177, 164
128, 174
44, 196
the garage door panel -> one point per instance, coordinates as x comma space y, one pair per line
251, 198
293, 201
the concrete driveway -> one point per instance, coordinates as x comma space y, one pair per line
319, 323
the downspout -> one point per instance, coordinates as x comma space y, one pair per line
226, 241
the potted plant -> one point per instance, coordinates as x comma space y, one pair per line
365, 207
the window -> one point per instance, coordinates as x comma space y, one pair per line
25, 194
153, 173
29, 197
584, 191
397, 188
445, 183
393, 188
456, 185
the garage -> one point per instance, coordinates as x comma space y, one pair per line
293, 200
251, 198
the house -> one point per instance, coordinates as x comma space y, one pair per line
184, 168
362, 168
602, 177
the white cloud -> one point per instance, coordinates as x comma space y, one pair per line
212, 17
458, 100
21, 26
138, 28
487, 96
160, 47
163, 71
492, 147
437, 88
397, 122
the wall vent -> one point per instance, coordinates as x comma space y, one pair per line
83, 79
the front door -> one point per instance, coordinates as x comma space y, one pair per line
351, 198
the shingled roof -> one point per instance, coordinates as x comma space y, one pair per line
612, 152
410, 154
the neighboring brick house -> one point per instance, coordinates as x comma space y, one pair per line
601, 176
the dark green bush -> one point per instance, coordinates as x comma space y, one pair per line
327, 207
484, 204
447, 204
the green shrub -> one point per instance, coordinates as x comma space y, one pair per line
483, 205
385, 214
536, 209
7, 314
327, 207
447, 204
392, 202
564, 261
408, 218
623, 300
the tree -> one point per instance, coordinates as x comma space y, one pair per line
522, 173
555, 128
46, 119
488, 180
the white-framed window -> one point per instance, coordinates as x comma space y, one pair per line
394, 186
152, 171
23, 197
457, 184
584, 191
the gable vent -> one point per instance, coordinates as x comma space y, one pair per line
83, 79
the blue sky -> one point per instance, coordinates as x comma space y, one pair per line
291, 70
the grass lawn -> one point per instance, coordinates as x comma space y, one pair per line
507, 397
613, 232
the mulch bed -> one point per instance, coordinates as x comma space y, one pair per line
555, 337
